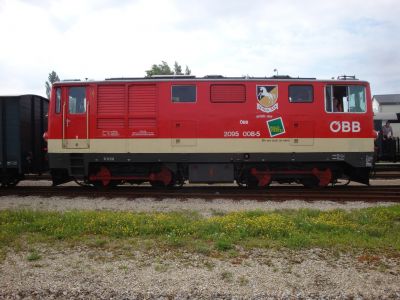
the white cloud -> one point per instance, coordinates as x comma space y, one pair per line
98, 39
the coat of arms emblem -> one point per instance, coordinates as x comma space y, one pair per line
267, 96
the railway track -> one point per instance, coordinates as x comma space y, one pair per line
273, 193
386, 171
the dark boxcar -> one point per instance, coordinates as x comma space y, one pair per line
23, 121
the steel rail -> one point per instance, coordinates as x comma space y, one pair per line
274, 193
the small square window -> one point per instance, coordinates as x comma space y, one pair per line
183, 93
301, 93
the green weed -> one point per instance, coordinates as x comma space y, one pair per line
371, 229
33, 255
227, 276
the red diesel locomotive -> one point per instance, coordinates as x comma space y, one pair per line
170, 129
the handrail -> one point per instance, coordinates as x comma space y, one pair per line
87, 123
63, 127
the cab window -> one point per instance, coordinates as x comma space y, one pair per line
345, 99
77, 100
58, 100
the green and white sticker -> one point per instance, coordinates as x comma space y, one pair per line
275, 127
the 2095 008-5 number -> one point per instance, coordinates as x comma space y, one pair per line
231, 133
243, 134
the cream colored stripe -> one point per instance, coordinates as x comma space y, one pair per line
212, 145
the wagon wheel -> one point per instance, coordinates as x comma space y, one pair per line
11, 182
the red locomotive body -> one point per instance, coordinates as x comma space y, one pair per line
167, 130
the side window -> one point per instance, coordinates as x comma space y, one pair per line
328, 98
58, 100
301, 93
183, 93
345, 99
356, 99
77, 100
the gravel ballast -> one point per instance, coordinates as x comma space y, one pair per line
204, 207
259, 274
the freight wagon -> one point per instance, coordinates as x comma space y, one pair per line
168, 130
23, 122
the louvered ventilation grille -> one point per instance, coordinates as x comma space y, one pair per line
110, 123
228, 93
142, 100
136, 122
142, 112
110, 100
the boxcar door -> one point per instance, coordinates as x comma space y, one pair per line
76, 118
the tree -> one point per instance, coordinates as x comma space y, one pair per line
188, 71
161, 69
164, 69
177, 69
53, 77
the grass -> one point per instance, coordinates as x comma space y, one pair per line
365, 229
243, 281
33, 255
227, 276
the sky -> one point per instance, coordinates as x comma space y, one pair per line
98, 39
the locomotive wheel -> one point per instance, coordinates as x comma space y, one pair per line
259, 179
160, 184
176, 182
100, 184
310, 182
252, 183
249, 182
318, 178
157, 184
106, 181
336, 182
163, 178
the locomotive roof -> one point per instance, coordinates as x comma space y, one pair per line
158, 78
